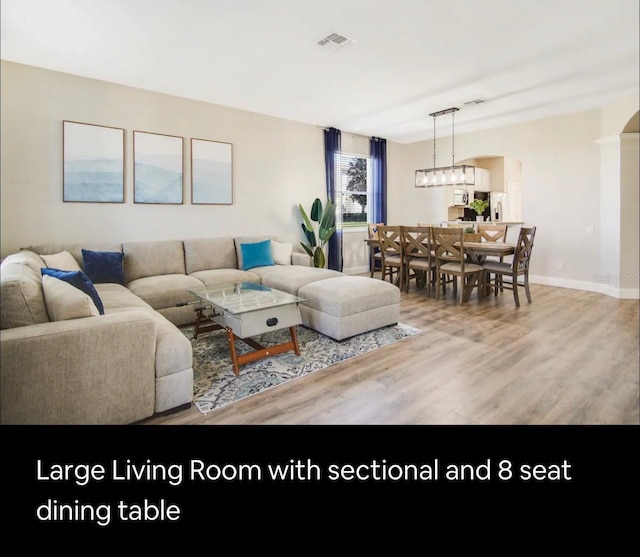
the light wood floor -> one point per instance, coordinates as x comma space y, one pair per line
570, 357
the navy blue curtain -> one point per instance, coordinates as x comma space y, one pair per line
332, 149
378, 202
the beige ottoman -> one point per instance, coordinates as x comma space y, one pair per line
346, 306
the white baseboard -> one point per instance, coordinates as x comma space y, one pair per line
607, 289
357, 270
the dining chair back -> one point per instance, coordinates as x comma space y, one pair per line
373, 230
450, 261
419, 257
392, 253
492, 232
519, 267
375, 257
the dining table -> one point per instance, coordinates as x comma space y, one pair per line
476, 252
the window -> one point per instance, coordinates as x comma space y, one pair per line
353, 190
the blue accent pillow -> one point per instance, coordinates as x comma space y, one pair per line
79, 280
103, 266
257, 254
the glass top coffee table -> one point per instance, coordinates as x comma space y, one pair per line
245, 310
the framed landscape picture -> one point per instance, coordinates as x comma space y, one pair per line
93, 163
211, 172
157, 168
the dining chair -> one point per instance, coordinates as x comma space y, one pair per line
391, 253
490, 232
419, 257
450, 261
519, 267
375, 257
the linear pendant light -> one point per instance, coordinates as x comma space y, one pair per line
462, 174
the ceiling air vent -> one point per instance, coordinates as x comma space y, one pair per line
334, 41
475, 101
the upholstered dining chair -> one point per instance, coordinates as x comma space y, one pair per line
419, 257
450, 260
519, 267
391, 253
492, 232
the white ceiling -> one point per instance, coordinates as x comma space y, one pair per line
528, 59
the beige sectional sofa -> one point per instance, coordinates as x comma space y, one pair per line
133, 361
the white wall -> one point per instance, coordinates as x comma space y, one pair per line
277, 164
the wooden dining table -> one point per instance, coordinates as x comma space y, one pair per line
476, 252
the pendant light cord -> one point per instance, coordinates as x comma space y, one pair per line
434, 142
453, 139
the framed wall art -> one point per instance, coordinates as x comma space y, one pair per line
211, 172
157, 168
93, 163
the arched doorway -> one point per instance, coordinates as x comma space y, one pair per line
620, 212
501, 178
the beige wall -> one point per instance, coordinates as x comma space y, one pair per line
560, 188
279, 163
276, 164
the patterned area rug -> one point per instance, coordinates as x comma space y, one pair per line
215, 384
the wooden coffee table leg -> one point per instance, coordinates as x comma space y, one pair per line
294, 337
259, 351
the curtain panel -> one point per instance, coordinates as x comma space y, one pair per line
378, 203
332, 150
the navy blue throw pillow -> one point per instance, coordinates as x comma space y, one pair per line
80, 281
103, 266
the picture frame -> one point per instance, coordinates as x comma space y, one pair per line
93, 163
211, 172
158, 168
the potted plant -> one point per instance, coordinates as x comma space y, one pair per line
479, 206
319, 234
470, 234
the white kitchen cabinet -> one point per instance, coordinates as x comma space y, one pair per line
483, 180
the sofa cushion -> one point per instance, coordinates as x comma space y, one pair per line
79, 280
21, 296
63, 260
165, 291
209, 253
218, 277
290, 278
115, 296
65, 301
151, 259
348, 295
256, 254
103, 266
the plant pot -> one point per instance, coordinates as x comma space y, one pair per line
471, 237
479, 218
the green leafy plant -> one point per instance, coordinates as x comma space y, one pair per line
319, 234
479, 205
469, 230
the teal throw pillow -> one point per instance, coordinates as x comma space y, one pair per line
80, 281
257, 254
103, 266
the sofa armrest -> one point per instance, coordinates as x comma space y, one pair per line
95, 370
